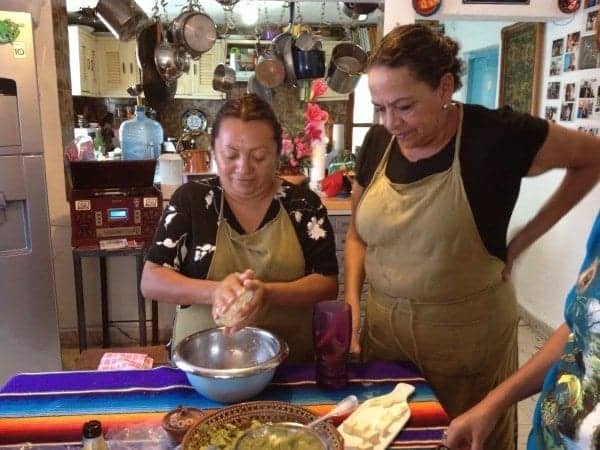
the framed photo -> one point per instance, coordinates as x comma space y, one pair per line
520, 66
589, 56
570, 92
505, 2
557, 47
553, 91
590, 23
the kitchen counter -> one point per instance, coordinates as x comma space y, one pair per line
337, 206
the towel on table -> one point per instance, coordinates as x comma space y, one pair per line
125, 361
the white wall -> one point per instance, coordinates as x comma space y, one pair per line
545, 272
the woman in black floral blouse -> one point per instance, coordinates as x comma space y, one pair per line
246, 229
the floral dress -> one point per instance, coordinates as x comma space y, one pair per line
186, 235
567, 415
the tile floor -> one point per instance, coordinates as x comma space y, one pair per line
530, 340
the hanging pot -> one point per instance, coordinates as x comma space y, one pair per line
269, 70
227, 4
223, 78
166, 58
348, 62
270, 32
255, 87
156, 91
309, 64
124, 18
283, 48
355, 8
282, 45
194, 31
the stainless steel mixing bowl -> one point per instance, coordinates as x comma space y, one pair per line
230, 368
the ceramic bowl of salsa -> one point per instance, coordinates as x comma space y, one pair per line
225, 427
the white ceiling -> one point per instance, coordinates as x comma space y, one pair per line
309, 9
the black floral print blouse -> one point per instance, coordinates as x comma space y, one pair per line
186, 234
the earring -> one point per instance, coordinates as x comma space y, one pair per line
445, 105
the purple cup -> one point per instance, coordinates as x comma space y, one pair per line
332, 330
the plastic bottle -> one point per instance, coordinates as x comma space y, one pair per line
99, 147
92, 436
141, 137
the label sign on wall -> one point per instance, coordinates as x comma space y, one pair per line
9, 31
19, 50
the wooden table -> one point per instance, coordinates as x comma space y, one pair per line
52, 407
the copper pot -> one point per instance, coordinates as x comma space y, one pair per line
194, 149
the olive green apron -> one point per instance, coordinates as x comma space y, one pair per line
274, 253
436, 295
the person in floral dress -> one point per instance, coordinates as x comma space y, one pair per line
244, 230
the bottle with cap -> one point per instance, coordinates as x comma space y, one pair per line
92, 436
141, 138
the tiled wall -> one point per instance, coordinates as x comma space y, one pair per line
286, 104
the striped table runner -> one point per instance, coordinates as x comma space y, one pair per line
52, 407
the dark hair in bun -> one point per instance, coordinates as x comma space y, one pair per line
417, 47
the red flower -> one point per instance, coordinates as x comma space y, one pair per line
314, 113
298, 140
317, 88
313, 131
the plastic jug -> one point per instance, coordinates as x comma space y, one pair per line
141, 137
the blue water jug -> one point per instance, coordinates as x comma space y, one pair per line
141, 137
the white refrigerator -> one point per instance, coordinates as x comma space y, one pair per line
29, 327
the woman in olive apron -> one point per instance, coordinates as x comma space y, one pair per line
274, 254
246, 218
436, 295
430, 217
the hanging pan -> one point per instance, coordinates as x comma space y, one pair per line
166, 58
223, 78
348, 62
157, 93
194, 31
282, 45
269, 70
124, 18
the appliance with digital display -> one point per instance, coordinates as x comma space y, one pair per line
113, 200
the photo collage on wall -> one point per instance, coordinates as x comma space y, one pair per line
571, 100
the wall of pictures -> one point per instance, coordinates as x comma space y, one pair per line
571, 87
